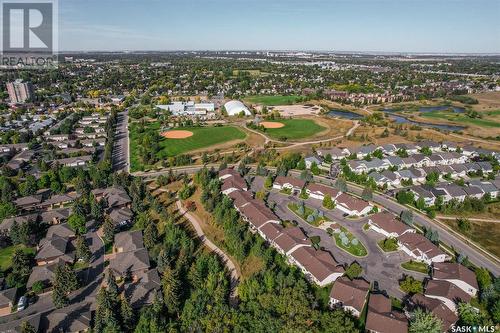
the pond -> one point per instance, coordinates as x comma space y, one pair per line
424, 109
344, 114
397, 118
402, 120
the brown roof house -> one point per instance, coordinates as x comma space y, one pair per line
318, 191
388, 225
234, 183
290, 240
56, 216
420, 248
436, 307
53, 249
353, 206
290, 183
240, 198
381, 319
318, 266
8, 298
143, 291
7, 223
350, 295
74, 318
121, 216
257, 215
44, 274
446, 292
227, 173
457, 274
131, 259
115, 196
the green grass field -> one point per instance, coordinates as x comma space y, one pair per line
271, 100
357, 250
203, 137
461, 118
7, 253
295, 129
416, 266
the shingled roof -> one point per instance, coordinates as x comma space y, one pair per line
351, 293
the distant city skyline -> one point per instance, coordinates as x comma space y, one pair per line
422, 26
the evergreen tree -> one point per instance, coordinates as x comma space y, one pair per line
424, 322
82, 249
65, 281
108, 230
127, 314
26, 327
171, 288
150, 235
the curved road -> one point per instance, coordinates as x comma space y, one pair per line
476, 254
233, 297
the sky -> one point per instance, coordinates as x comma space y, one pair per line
438, 26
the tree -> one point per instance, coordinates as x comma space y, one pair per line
464, 225
407, 217
150, 235
171, 289
432, 235
483, 277
127, 314
354, 270
424, 322
301, 165
108, 230
315, 169
77, 223
96, 209
306, 175
341, 185
411, 286
328, 202
26, 327
65, 281
269, 182
469, 315
82, 249
367, 194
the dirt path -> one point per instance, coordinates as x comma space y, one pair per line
233, 297
468, 218
475, 140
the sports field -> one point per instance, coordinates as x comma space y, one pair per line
295, 129
203, 137
269, 100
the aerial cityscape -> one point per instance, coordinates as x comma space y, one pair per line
150, 182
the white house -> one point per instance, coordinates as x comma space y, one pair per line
457, 274
420, 248
350, 295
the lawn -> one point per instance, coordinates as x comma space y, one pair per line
388, 245
7, 253
485, 234
355, 248
271, 100
203, 137
416, 266
295, 129
307, 211
461, 118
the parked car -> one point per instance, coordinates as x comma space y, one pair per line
23, 302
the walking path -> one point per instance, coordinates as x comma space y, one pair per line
468, 218
297, 144
233, 297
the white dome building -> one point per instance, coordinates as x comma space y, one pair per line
234, 108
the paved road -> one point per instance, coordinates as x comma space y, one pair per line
448, 236
476, 255
377, 266
235, 278
121, 149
